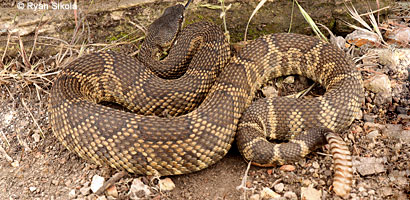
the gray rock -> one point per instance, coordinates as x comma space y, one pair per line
85, 191
369, 165
269, 91
279, 187
289, 80
369, 118
383, 98
72, 194
393, 130
379, 83
387, 191
290, 195
398, 177
373, 134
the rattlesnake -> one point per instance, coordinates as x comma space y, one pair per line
199, 109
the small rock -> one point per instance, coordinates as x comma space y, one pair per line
372, 192
361, 189
287, 168
387, 191
138, 189
36, 137
310, 193
306, 182
383, 98
315, 165
369, 118
268, 193
54, 182
279, 187
369, 165
289, 80
72, 194
405, 135
117, 15
255, 197
8, 117
290, 195
102, 198
32, 189
393, 130
269, 91
96, 183
85, 191
15, 163
398, 177
112, 191
373, 134
166, 184
379, 83
369, 125
67, 183
402, 110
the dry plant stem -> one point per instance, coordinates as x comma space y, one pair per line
111, 182
375, 11
7, 45
8, 158
253, 14
32, 116
242, 186
26, 61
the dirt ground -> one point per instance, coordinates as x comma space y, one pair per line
34, 165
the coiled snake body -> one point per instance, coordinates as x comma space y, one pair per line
202, 135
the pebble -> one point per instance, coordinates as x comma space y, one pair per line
102, 198
32, 189
369, 118
255, 197
379, 83
72, 194
85, 191
112, 191
290, 195
67, 183
387, 191
306, 182
268, 193
138, 189
310, 193
269, 91
361, 189
373, 134
96, 183
368, 125
279, 187
289, 80
166, 184
287, 168
383, 98
398, 177
315, 165
36, 137
369, 165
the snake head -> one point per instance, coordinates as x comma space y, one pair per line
163, 31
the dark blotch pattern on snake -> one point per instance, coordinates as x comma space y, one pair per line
207, 102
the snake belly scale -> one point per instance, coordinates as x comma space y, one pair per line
202, 134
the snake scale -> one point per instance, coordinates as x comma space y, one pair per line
188, 121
